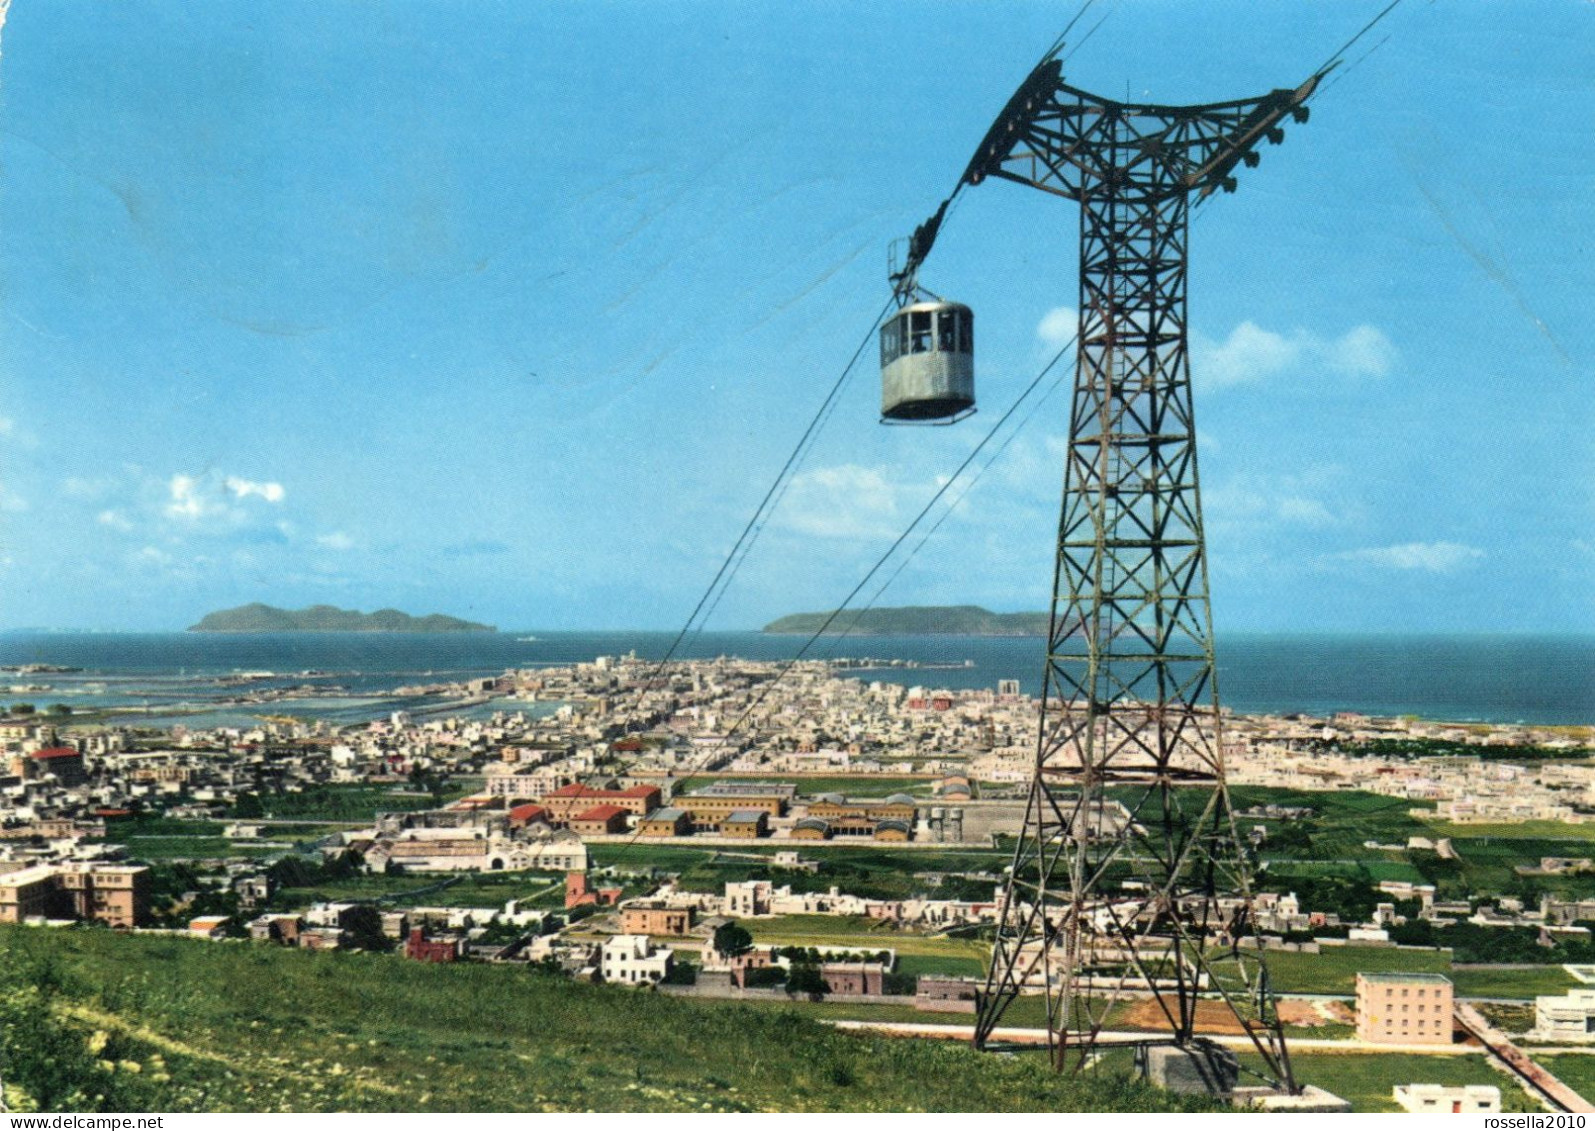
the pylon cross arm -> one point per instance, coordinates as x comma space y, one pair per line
1067, 141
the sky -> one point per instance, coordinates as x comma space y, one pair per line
513, 311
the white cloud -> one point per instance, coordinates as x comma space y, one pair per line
211, 499
1307, 501
187, 498
243, 488
114, 519
151, 556
1058, 327
1430, 557
337, 540
1252, 353
847, 501
10, 501
8, 425
1362, 351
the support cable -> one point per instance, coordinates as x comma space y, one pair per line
901, 538
1337, 56
761, 513
951, 507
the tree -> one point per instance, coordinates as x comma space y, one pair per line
899, 984
248, 805
732, 940
364, 924
682, 974
805, 978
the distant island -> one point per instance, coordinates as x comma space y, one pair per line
920, 620
327, 618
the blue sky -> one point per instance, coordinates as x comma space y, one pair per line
513, 311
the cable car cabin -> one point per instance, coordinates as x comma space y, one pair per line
928, 363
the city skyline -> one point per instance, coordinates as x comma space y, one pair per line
514, 318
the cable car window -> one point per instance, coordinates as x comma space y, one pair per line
919, 334
947, 331
966, 331
891, 345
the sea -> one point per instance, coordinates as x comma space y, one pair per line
162, 679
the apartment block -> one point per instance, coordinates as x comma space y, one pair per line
1404, 1009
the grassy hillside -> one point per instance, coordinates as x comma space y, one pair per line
90, 1020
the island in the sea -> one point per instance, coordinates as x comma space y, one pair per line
327, 618
919, 620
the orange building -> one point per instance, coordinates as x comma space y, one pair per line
578, 894
712, 805
654, 919
890, 818
114, 894
749, 824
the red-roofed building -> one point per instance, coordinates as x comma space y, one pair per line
522, 815
569, 800
62, 761
600, 820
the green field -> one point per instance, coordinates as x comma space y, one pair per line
1526, 984
867, 869
471, 889
357, 803
158, 848
1341, 823
120, 830
1366, 1079
942, 965
850, 785
1576, 1070
1559, 831
92, 1020
1334, 969
820, 931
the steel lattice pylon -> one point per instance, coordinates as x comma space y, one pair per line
1128, 881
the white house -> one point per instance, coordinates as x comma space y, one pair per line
1477, 1099
632, 960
